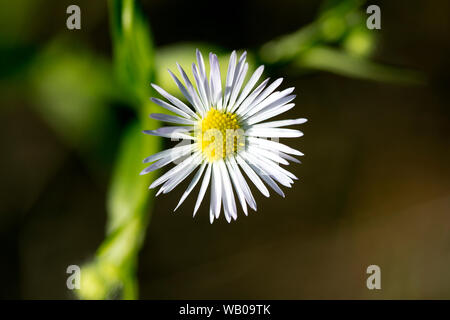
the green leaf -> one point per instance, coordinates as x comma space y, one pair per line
343, 63
112, 273
133, 49
335, 20
128, 194
289, 46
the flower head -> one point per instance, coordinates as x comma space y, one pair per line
227, 136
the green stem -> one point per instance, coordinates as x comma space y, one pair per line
112, 274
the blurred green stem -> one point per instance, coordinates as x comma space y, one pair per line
337, 41
338, 18
112, 274
330, 59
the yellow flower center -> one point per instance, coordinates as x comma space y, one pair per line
220, 136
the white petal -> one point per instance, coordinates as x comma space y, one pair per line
175, 170
175, 134
288, 157
211, 216
273, 132
216, 191
203, 78
216, 82
176, 180
164, 161
237, 187
201, 63
253, 176
230, 77
192, 185
274, 145
237, 87
172, 119
251, 83
243, 107
169, 152
172, 129
226, 211
244, 186
263, 115
268, 154
185, 93
227, 193
272, 184
171, 108
271, 166
280, 123
266, 177
275, 100
200, 87
272, 170
198, 105
267, 108
203, 188
173, 100
271, 88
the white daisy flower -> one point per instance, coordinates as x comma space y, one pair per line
227, 134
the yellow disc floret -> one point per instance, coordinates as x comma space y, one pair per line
220, 136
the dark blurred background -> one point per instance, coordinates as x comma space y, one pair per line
374, 184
